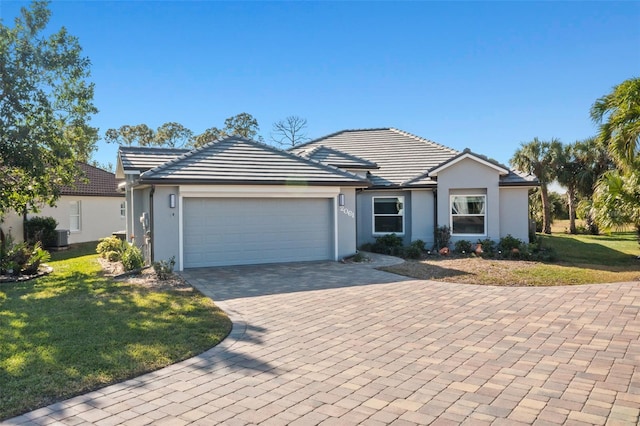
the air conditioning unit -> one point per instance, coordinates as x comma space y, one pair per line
62, 238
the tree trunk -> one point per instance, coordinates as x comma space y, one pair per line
571, 202
546, 211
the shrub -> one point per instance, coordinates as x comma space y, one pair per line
419, 244
41, 229
508, 243
359, 257
164, 268
412, 252
132, 258
112, 256
488, 247
110, 244
463, 246
442, 237
38, 256
388, 244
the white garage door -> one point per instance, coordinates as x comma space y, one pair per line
243, 231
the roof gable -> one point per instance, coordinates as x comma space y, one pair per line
236, 160
467, 154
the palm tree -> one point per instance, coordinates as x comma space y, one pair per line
616, 198
618, 114
537, 157
567, 174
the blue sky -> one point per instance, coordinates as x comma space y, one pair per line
482, 75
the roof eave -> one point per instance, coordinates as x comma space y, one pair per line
159, 181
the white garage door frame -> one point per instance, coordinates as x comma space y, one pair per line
264, 191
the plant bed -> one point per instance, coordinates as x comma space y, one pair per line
42, 271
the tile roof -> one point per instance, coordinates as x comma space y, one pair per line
97, 182
400, 156
236, 160
404, 160
142, 158
336, 158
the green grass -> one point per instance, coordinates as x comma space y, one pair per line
582, 259
76, 330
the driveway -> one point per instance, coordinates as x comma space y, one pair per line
329, 343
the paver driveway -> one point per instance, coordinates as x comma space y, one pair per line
346, 344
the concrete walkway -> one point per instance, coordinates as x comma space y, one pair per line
336, 344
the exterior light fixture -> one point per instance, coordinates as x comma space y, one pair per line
172, 201
341, 200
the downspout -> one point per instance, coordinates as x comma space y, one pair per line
435, 214
150, 240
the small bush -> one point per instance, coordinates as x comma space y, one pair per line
41, 229
132, 258
419, 244
412, 252
112, 256
359, 257
110, 244
442, 237
38, 256
164, 268
388, 244
488, 247
463, 246
508, 243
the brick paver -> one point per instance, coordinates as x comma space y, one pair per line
329, 343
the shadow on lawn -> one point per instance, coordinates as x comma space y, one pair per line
71, 333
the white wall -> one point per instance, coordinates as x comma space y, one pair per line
99, 218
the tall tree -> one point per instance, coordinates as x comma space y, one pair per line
139, 134
173, 135
618, 114
567, 174
243, 124
290, 132
537, 157
46, 103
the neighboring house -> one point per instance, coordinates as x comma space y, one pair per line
237, 201
89, 210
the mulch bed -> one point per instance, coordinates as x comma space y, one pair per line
44, 270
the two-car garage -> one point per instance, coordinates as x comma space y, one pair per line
242, 231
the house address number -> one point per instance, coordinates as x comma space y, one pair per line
348, 212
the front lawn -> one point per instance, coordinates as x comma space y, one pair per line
582, 259
77, 330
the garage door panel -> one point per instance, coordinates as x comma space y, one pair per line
223, 231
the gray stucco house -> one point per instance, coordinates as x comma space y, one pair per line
237, 201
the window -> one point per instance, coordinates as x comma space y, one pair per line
388, 215
74, 216
468, 214
123, 209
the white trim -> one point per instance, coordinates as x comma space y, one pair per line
77, 203
485, 215
373, 214
256, 191
180, 233
470, 156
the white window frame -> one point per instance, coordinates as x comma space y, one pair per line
77, 215
123, 210
374, 215
484, 215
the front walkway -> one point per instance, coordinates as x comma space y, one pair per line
327, 343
